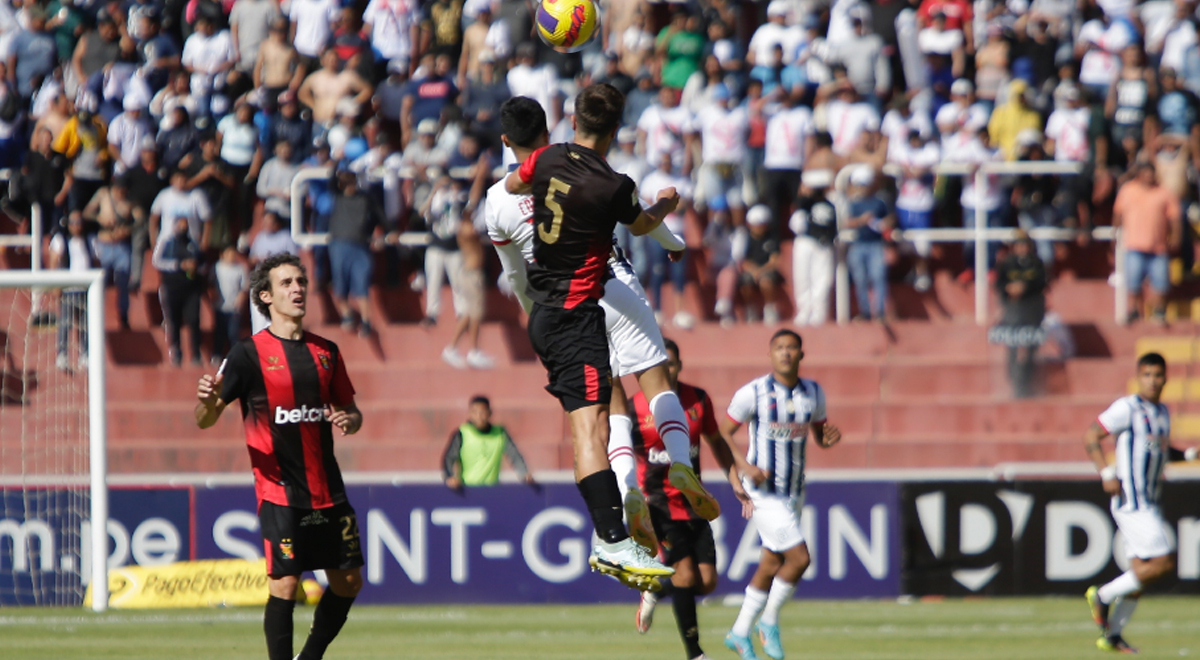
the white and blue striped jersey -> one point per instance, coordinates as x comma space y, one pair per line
1143, 431
778, 419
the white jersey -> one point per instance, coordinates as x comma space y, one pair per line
664, 129
787, 132
1143, 431
779, 419
509, 220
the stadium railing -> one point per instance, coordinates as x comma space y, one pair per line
981, 233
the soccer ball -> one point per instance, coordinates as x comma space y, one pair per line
309, 592
567, 25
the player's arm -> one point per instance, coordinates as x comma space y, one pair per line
516, 460
1092, 437
513, 263
732, 464
650, 219
210, 406
1176, 455
348, 418
825, 434
452, 462
729, 427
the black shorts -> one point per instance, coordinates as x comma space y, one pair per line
573, 346
684, 538
297, 540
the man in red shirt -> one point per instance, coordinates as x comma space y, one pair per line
294, 389
686, 539
959, 16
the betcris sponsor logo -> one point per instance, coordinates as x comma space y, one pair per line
514, 544
298, 415
661, 457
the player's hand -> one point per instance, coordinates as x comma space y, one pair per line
348, 422
1112, 486
454, 483
675, 256
209, 389
754, 474
831, 437
669, 195
529, 480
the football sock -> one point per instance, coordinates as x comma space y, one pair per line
751, 606
620, 452
327, 623
605, 504
672, 425
781, 592
1123, 585
684, 602
277, 624
1120, 614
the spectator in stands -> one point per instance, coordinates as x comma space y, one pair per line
84, 141
178, 263
116, 217
323, 88
312, 27
31, 54
442, 210
73, 250
918, 159
992, 66
127, 132
758, 263
95, 49
47, 180
274, 238
210, 55
1179, 113
1021, 287
468, 299
663, 127
1150, 217
1033, 195
178, 202
1075, 135
537, 81
775, 32
866, 65
815, 225
871, 219
483, 97
1011, 118
1132, 98
662, 263
274, 185
790, 139
237, 140
250, 24
970, 146
394, 29
428, 93
846, 116
722, 128
962, 109
719, 238
278, 67
476, 449
231, 288
680, 45
352, 224
215, 181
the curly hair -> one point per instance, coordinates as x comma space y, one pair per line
260, 279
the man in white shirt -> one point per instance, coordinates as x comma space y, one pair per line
174, 203
775, 32
790, 132
393, 28
966, 146
1098, 48
723, 129
126, 134
663, 128
1067, 129
312, 26
918, 159
538, 82
848, 118
209, 55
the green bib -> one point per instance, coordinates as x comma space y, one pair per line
481, 454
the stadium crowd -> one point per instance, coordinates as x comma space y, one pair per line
171, 130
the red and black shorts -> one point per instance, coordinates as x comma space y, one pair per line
297, 540
684, 538
573, 346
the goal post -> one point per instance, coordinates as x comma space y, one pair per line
34, 476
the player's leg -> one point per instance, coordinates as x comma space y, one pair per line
672, 424
335, 546
695, 575
624, 467
795, 562
279, 529
1151, 552
755, 599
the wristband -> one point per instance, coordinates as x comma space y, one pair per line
1190, 453
1109, 472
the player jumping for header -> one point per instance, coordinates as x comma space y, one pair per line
294, 389
1142, 425
577, 201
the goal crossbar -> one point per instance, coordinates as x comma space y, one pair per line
93, 280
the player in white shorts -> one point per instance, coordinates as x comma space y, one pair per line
635, 341
1142, 426
781, 410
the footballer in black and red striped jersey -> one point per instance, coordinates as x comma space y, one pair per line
294, 390
653, 463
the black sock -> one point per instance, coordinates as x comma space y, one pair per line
277, 624
668, 589
603, 499
327, 623
684, 601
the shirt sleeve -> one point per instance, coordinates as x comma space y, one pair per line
526, 170
625, 203
341, 391
513, 263
742, 406
818, 412
1117, 419
452, 455
235, 372
515, 459
708, 420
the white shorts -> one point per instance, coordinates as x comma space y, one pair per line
778, 520
1145, 533
635, 342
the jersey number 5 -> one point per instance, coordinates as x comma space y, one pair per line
551, 235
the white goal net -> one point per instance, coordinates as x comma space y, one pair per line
52, 459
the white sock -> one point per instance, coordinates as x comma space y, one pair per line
1123, 585
1120, 614
751, 606
672, 425
781, 592
620, 452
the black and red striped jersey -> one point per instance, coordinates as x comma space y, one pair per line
285, 386
653, 463
577, 202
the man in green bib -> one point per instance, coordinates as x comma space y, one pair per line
476, 448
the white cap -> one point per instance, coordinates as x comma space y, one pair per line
1029, 137
777, 8
822, 178
962, 86
723, 51
133, 102
863, 175
758, 215
428, 126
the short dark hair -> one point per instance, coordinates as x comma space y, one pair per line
671, 346
522, 120
260, 279
598, 109
1153, 360
481, 399
784, 332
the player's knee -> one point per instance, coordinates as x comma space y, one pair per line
346, 584
284, 586
1164, 566
708, 583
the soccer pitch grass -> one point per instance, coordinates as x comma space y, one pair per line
1164, 627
